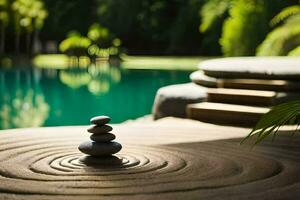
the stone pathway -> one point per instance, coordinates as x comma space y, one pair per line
241, 90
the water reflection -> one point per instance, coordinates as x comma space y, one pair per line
98, 78
52, 97
22, 102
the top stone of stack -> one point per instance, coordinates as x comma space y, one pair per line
100, 120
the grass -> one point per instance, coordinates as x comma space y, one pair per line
55, 61
189, 63
162, 62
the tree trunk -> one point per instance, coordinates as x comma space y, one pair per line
28, 40
17, 43
2, 40
36, 49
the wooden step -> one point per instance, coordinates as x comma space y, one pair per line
228, 114
245, 97
249, 97
256, 84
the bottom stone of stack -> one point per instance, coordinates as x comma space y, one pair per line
101, 161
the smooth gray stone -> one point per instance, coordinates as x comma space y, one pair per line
103, 137
99, 129
172, 100
200, 78
101, 161
287, 68
99, 148
100, 120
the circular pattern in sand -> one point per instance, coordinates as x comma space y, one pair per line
35, 165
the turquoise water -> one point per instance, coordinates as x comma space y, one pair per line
51, 97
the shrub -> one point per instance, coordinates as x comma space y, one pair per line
284, 38
244, 29
247, 25
295, 52
75, 44
213, 13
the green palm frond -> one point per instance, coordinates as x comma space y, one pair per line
211, 12
295, 52
282, 39
278, 116
285, 14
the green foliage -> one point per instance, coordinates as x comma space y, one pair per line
244, 29
30, 13
97, 33
285, 13
104, 44
280, 115
75, 44
295, 52
66, 15
153, 26
284, 38
247, 25
99, 43
4, 12
213, 11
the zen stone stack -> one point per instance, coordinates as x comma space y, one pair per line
101, 145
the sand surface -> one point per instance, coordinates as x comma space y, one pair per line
168, 159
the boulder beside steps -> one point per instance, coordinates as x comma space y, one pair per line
172, 100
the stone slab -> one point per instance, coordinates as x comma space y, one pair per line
285, 68
250, 97
228, 114
167, 159
200, 78
260, 84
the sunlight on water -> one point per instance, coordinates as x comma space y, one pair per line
53, 97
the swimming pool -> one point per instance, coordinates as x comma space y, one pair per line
52, 97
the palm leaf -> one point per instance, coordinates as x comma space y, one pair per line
285, 13
295, 51
282, 39
278, 116
211, 12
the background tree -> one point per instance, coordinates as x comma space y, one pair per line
285, 38
29, 16
4, 9
245, 26
212, 16
75, 45
104, 44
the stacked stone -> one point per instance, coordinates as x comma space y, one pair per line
101, 144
